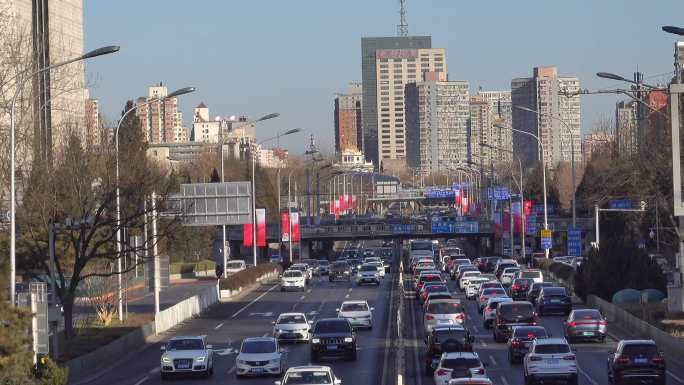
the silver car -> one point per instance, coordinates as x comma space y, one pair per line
443, 312
187, 355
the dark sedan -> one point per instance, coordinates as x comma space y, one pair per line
535, 289
553, 300
519, 288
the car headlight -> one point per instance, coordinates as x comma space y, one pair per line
165, 360
315, 341
348, 339
241, 362
274, 361
200, 359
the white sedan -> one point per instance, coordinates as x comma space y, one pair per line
309, 375
259, 356
293, 280
358, 313
187, 355
292, 327
550, 359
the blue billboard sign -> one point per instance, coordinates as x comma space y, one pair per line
498, 193
463, 227
402, 228
575, 242
531, 225
620, 204
546, 242
439, 194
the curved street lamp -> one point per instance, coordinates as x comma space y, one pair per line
19, 87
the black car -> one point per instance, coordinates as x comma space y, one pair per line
636, 361
511, 314
333, 337
446, 339
519, 288
553, 300
340, 270
521, 339
535, 289
491, 264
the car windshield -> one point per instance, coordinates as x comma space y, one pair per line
369, 268
430, 278
494, 292
510, 270
523, 281
538, 286
552, 349
255, 347
444, 308
333, 327
458, 363
515, 311
354, 307
234, 265
592, 315
640, 350
471, 273
493, 304
503, 266
436, 288
534, 332
530, 274
307, 378
292, 274
185, 344
554, 292
291, 319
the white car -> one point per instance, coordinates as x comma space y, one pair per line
380, 266
293, 280
474, 286
458, 365
368, 274
550, 359
309, 375
259, 356
508, 275
358, 313
304, 268
536, 275
292, 327
187, 355
471, 381
233, 267
466, 277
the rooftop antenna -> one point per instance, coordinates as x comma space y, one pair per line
402, 28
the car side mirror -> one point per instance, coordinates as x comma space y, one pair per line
273, 322
338, 309
163, 348
277, 383
372, 308
310, 322
210, 347
338, 381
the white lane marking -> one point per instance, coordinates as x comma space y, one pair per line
400, 380
155, 370
346, 296
492, 360
308, 291
232, 369
582, 372
504, 381
350, 289
142, 380
669, 373
218, 326
475, 329
265, 335
253, 301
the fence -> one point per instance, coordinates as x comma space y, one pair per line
191, 307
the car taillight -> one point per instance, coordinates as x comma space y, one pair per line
482, 298
603, 323
515, 343
569, 358
442, 372
622, 360
461, 316
429, 317
572, 324
479, 371
658, 360
535, 358
515, 287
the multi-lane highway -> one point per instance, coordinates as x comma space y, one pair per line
379, 361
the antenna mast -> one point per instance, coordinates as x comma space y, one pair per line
402, 28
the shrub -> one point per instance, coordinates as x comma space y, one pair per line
181, 268
205, 265
248, 276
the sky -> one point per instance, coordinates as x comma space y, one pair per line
253, 57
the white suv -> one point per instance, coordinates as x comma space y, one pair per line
550, 359
293, 280
309, 375
458, 365
187, 355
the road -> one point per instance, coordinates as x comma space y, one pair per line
227, 324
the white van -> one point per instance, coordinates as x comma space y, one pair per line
234, 266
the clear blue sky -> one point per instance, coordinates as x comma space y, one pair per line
259, 56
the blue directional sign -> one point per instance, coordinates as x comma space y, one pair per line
575, 242
620, 204
531, 225
498, 193
462, 227
399, 228
546, 239
439, 194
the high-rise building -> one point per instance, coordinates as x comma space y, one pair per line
626, 127
369, 46
395, 69
160, 119
679, 61
348, 121
93, 128
498, 140
437, 114
52, 30
597, 143
557, 121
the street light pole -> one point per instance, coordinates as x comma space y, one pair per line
19, 87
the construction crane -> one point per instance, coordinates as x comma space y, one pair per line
402, 28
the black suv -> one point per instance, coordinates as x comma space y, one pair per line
333, 337
636, 361
519, 288
446, 339
521, 339
340, 270
510, 314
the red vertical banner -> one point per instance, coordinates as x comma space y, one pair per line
528, 208
331, 207
457, 197
247, 234
294, 219
340, 203
284, 227
261, 227
350, 202
464, 205
336, 210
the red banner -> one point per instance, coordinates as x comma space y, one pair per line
261, 227
284, 227
457, 197
341, 203
464, 205
528, 208
247, 234
350, 202
294, 219
336, 209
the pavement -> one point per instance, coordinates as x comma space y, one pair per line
391, 353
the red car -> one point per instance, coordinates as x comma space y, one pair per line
432, 288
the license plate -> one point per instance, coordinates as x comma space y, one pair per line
641, 360
257, 370
331, 347
183, 366
588, 333
553, 361
555, 301
444, 321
